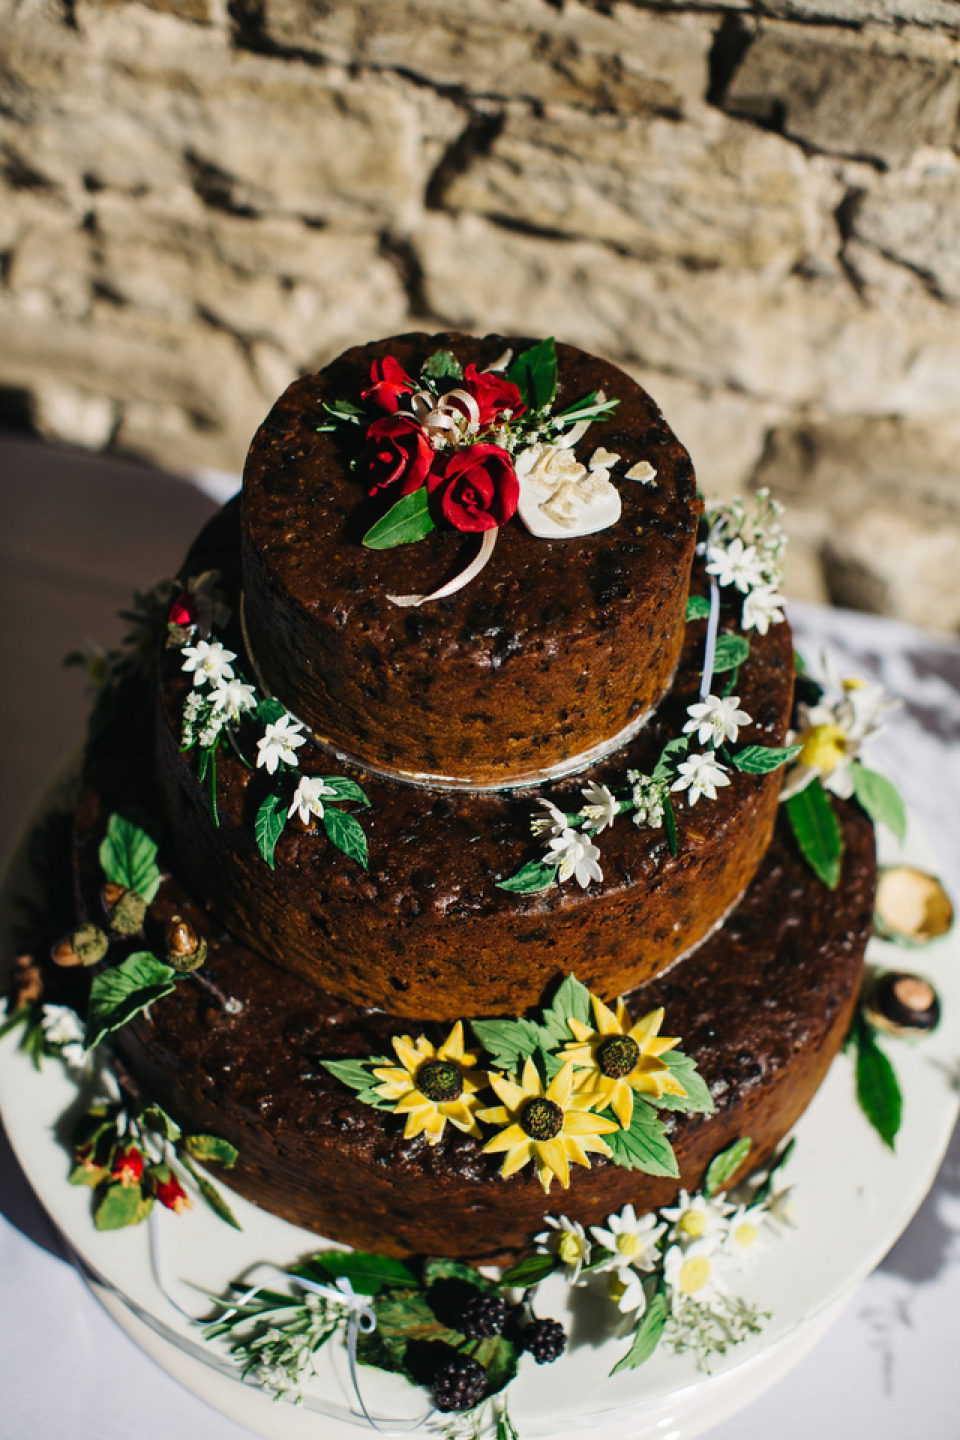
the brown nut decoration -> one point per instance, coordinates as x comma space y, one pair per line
186, 950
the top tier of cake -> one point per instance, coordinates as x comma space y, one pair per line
551, 656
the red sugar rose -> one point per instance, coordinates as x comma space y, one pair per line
183, 610
127, 1166
172, 1194
493, 395
398, 453
389, 382
477, 488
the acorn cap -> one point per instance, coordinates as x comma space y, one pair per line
126, 910
902, 1005
186, 950
912, 907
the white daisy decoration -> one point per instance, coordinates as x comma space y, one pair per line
762, 607
696, 1217
744, 1238
573, 854
568, 1241
209, 661
694, 1273
233, 697
601, 807
307, 798
625, 1289
716, 719
700, 775
736, 564
281, 738
832, 735
632, 1241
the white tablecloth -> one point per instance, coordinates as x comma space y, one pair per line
888, 1368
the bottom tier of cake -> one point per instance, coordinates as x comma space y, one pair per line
762, 1007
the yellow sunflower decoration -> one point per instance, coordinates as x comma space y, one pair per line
549, 1126
618, 1058
431, 1085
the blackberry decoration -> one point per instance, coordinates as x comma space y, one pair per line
459, 1383
546, 1340
482, 1315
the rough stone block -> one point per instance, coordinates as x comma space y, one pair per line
851, 93
914, 219
718, 192
626, 60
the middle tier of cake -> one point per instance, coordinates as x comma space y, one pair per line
426, 930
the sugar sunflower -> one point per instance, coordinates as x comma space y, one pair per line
549, 1126
431, 1085
618, 1058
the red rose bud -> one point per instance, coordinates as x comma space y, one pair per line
127, 1166
493, 395
183, 611
390, 381
398, 454
476, 488
170, 1192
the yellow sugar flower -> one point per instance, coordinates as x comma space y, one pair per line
549, 1126
617, 1058
431, 1085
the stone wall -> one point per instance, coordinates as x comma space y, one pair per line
753, 207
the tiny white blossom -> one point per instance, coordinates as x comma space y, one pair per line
307, 799
233, 697
716, 719
761, 609
567, 1240
192, 706
601, 807
700, 775
573, 854
211, 730
61, 1025
553, 823
280, 738
632, 1240
697, 1217
735, 564
209, 662
647, 799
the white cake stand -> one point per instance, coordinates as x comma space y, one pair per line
852, 1198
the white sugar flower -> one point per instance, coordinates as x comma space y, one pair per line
735, 564
832, 735
632, 1240
716, 719
307, 799
566, 1239
647, 799
61, 1025
278, 744
553, 823
210, 662
233, 697
744, 1240
625, 1289
700, 775
762, 608
601, 807
211, 730
695, 1217
694, 1273
573, 854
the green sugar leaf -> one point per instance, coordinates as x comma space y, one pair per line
156, 1119
531, 879
442, 365
210, 1193
499, 1357
697, 1099
211, 1147
268, 826
509, 1042
698, 607
343, 410
880, 799
762, 759
344, 789
347, 834
571, 1002
358, 1075
731, 652
644, 1145
437, 1269
122, 1205
367, 1273
817, 832
129, 857
269, 711
404, 523
670, 756
117, 995
878, 1092
647, 1335
670, 824
535, 374
724, 1166
529, 1271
